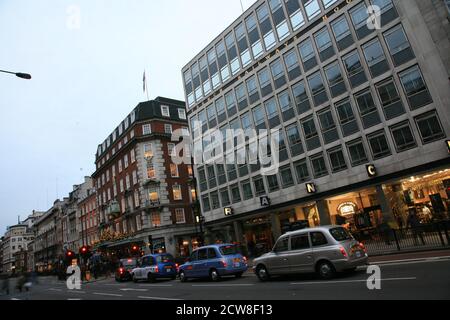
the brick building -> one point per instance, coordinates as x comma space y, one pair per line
143, 198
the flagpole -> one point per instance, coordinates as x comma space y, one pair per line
242, 6
145, 85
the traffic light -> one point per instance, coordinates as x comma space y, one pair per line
70, 254
85, 252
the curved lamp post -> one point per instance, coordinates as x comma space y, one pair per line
18, 74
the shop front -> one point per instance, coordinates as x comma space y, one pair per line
356, 210
426, 195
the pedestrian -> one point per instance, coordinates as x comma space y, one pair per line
5, 284
20, 282
414, 223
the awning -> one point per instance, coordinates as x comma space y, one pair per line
124, 242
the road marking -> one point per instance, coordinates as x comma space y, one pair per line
15, 299
131, 289
159, 298
223, 285
349, 281
74, 299
411, 261
77, 291
107, 294
155, 285
54, 289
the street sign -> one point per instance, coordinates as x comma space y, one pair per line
371, 170
265, 201
228, 211
311, 188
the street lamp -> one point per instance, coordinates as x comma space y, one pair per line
18, 74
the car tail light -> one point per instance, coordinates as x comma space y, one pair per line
224, 263
245, 259
156, 269
344, 253
363, 247
121, 270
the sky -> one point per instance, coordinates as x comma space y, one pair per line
87, 60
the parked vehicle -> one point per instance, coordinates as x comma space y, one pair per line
324, 250
214, 262
123, 272
155, 266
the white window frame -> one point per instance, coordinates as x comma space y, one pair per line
165, 111
179, 212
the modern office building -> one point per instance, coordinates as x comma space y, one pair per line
144, 199
363, 109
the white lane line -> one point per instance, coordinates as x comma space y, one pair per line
77, 291
15, 299
131, 289
223, 285
409, 261
349, 281
107, 294
159, 298
54, 289
74, 299
155, 285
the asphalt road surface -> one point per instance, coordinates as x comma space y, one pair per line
428, 279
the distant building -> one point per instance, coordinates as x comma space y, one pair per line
70, 219
89, 219
1, 254
16, 239
49, 231
144, 199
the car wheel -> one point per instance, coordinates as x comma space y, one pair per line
238, 275
183, 277
326, 270
151, 278
214, 275
262, 273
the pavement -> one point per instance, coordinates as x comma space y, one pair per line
424, 276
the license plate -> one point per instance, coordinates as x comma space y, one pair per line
237, 264
168, 269
358, 254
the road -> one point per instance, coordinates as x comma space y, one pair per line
428, 279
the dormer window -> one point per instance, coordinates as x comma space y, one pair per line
165, 111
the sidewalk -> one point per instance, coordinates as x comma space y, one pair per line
407, 257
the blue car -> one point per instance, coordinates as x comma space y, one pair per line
155, 266
214, 262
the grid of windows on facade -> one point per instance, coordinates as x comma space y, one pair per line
376, 80
307, 88
257, 33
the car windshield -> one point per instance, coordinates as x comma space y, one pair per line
341, 234
167, 258
229, 250
128, 263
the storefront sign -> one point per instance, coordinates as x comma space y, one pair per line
265, 201
228, 211
371, 170
311, 188
347, 208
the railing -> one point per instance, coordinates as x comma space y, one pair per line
424, 237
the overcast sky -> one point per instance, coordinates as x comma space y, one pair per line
87, 77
